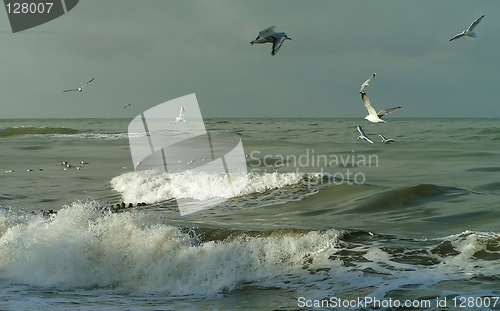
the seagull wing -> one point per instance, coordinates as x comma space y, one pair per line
277, 42
267, 32
382, 136
474, 23
368, 140
366, 83
458, 35
70, 90
386, 111
363, 135
182, 112
88, 82
360, 130
367, 103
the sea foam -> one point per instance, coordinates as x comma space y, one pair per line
135, 188
83, 248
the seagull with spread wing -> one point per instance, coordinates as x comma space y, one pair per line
181, 116
362, 89
269, 36
362, 135
469, 31
373, 115
386, 140
80, 88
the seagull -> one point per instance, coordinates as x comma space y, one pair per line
268, 35
363, 135
374, 116
469, 33
385, 140
180, 117
80, 88
362, 89
127, 105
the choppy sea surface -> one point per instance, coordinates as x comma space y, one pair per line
325, 221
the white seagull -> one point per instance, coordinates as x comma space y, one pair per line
386, 140
180, 117
469, 32
362, 89
80, 88
363, 135
374, 116
268, 35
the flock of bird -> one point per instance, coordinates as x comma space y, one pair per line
268, 35
373, 116
277, 38
376, 117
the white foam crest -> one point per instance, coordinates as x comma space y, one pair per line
469, 243
135, 188
384, 272
100, 136
82, 248
268, 181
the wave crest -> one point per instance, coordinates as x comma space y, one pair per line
136, 188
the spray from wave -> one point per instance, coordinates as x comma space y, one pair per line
83, 248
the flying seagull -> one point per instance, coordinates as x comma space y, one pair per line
385, 140
180, 117
268, 35
469, 32
363, 135
127, 105
374, 116
80, 88
362, 89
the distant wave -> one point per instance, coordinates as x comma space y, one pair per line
30, 130
62, 132
409, 197
105, 136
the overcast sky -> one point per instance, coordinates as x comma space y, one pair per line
149, 52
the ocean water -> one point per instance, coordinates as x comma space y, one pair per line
325, 221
